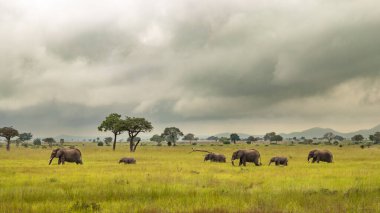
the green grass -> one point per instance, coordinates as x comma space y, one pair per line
169, 179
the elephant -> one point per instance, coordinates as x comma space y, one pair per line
215, 157
127, 161
66, 154
320, 155
244, 156
279, 161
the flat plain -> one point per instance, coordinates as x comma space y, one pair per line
170, 179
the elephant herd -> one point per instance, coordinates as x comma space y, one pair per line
244, 156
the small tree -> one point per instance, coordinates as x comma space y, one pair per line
49, 141
251, 139
61, 141
276, 138
134, 126
269, 135
37, 142
234, 137
108, 140
25, 136
376, 138
329, 136
357, 138
171, 135
189, 137
8, 133
113, 123
157, 138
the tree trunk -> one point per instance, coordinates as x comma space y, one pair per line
131, 143
8, 144
134, 148
114, 142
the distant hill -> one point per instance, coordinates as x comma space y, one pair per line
319, 132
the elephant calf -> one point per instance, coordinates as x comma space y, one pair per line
127, 161
279, 161
215, 157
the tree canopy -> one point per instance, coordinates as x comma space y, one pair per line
8, 133
171, 135
25, 136
114, 124
135, 126
157, 138
357, 138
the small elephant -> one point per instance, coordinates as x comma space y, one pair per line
127, 161
320, 155
72, 155
279, 161
244, 156
215, 157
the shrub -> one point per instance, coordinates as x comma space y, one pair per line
226, 142
327, 143
362, 146
194, 143
340, 145
336, 143
249, 142
100, 144
25, 145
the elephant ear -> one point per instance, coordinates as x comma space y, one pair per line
239, 154
316, 153
59, 153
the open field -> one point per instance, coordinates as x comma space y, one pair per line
169, 179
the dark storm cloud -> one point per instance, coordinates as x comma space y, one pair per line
188, 62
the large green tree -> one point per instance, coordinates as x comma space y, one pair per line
49, 141
157, 138
114, 124
135, 126
189, 137
269, 135
171, 135
357, 138
234, 137
329, 136
8, 133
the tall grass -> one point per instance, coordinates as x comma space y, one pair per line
169, 179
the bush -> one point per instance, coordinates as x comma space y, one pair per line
327, 143
194, 143
100, 144
336, 143
226, 142
362, 146
26, 145
340, 145
37, 142
249, 142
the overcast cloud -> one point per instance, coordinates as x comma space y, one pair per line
206, 67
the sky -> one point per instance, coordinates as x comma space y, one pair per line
207, 67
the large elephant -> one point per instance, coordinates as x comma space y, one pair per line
279, 161
72, 155
320, 155
215, 157
244, 156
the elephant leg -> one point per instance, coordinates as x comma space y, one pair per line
63, 160
244, 162
59, 161
276, 163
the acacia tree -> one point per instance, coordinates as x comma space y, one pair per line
107, 140
269, 135
157, 138
329, 136
357, 138
8, 133
171, 135
25, 136
189, 137
115, 124
49, 141
134, 126
234, 137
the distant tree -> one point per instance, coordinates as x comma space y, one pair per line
189, 137
115, 124
329, 136
108, 140
269, 135
339, 138
294, 138
37, 142
357, 138
61, 141
135, 126
157, 138
25, 136
97, 139
171, 135
251, 139
212, 138
8, 133
234, 137
371, 138
49, 141
376, 137
276, 138
225, 140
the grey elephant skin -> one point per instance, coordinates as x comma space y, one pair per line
247, 155
71, 155
279, 161
215, 158
320, 155
127, 161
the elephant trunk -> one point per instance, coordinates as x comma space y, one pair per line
51, 159
232, 161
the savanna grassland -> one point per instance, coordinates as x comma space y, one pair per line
169, 179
